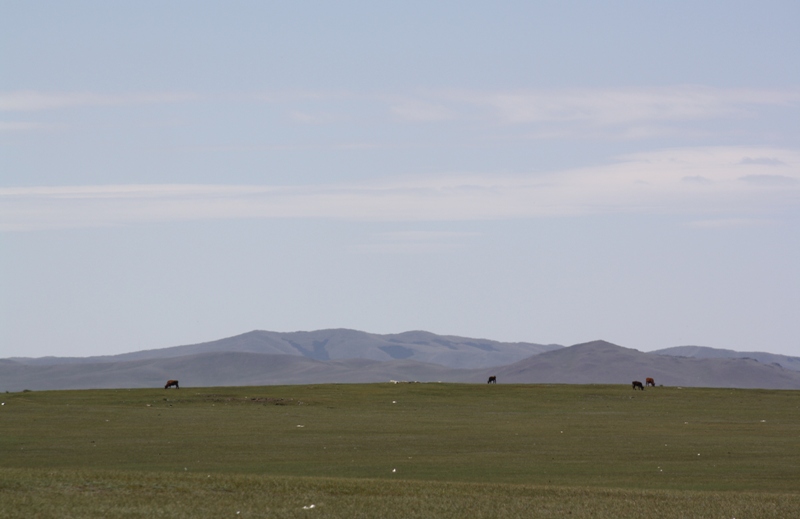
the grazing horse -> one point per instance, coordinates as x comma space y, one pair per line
492, 380
171, 383
649, 382
636, 384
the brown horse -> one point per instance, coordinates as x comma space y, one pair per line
171, 383
636, 384
492, 380
649, 382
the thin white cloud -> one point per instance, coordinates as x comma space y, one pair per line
763, 161
653, 182
414, 242
697, 179
619, 113
770, 180
417, 111
25, 101
721, 223
624, 106
15, 126
422, 236
313, 118
633, 113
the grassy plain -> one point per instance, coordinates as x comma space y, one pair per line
401, 450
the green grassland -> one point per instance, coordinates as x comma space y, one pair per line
401, 450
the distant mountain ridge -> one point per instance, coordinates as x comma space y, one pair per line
332, 356
341, 344
600, 362
704, 352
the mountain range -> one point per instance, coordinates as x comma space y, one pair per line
340, 355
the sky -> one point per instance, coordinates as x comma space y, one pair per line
538, 171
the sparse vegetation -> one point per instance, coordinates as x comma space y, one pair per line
401, 450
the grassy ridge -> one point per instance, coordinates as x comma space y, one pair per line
396, 444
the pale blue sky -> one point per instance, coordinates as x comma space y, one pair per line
554, 172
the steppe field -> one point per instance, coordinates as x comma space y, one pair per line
402, 450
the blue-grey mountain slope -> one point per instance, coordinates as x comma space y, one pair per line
597, 362
601, 362
704, 352
341, 344
218, 369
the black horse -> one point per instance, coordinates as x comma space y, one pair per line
492, 380
637, 385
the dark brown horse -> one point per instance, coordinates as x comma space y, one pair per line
649, 382
492, 380
637, 385
171, 383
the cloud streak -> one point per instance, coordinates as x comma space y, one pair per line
414, 242
697, 181
609, 107
625, 106
615, 113
32, 101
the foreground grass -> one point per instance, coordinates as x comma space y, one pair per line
118, 494
405, 450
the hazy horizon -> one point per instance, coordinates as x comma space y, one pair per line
544, 172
